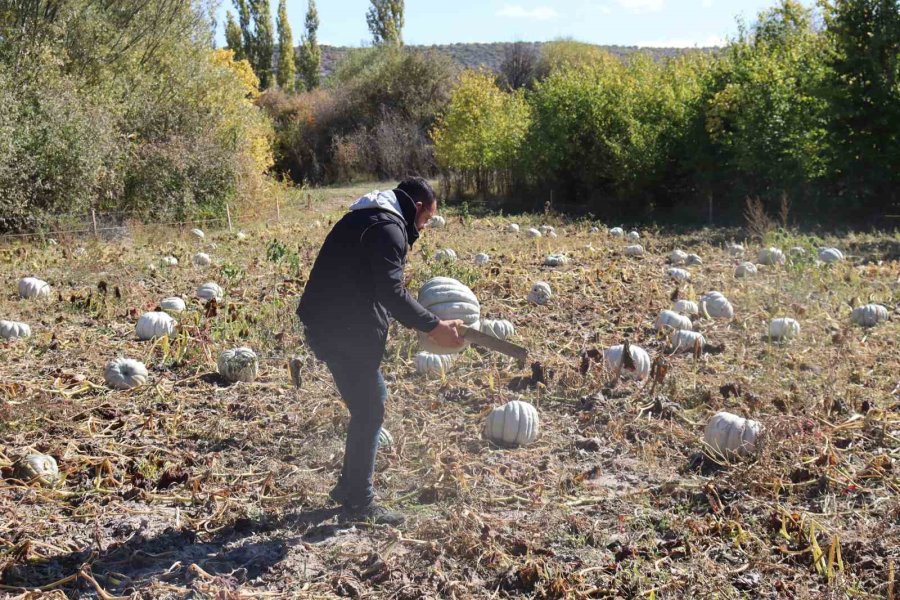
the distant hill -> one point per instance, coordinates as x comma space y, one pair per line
486, 55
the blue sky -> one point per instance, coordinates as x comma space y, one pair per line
682, 23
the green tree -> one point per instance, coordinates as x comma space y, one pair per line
479, 136
768, 117
245, 22
310, 53
233, 39
385, 20
864, 97
287, 71
263, 41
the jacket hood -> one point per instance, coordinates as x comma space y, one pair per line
386, 200
392, 201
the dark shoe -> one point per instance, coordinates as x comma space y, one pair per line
373, 513
338, 494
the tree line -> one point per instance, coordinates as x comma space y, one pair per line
129, 105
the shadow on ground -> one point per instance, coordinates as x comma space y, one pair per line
239, 553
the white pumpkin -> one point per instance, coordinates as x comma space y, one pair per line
155, 324
482, 259
552, 235
238, 364
797, 252
512, 228
830, 255
437, 222
633, 236
716, 306
677, 257
770, 256
594, 230
432, 364
686, 307
556, 260
210, 291
678, 274
617, 232
516, 423
172, 305
499, 328
736, 250
693, 260
32, 287
445, 255
38, 468
11, 330
385, 439
448, 299
869, 315
783, 328
729, 435
635, 250
241, 236
169, 261
125, 373
540, 293
201, 259
639, 356
745, 269
669, 319
533, 233
198, 233
685, 341
547, 229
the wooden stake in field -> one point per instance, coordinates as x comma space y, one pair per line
277, 210
94, 220
228, 214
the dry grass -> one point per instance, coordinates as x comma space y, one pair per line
188, 487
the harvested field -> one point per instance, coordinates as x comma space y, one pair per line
190, 487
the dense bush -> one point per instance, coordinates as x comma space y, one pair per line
123, 106
369, 120
790, 113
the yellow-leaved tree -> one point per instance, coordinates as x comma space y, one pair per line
478, 137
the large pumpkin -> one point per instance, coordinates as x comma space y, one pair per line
669, 319
445, 255
678, 257
716, 306
125, 373
869, 315
683, 340
678, 274
516, 423
238, 364
432, 364
556, 260
830, 255
770, 256
686, 307
210, 291
615, 361
38, 468
635, 250
172, 305
449, 299
540, 293
32, 287
201, 259
729, 435
784, 328
11, 330
745, 269
499, 328
616, 232
155, 325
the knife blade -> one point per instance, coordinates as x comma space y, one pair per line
474, 336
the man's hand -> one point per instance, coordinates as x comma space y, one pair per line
446, 334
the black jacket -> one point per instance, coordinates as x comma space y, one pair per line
356, 283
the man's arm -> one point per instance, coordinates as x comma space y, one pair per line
386, 245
